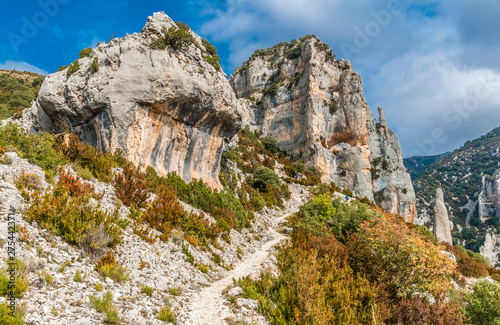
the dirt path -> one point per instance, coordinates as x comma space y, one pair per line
207, 306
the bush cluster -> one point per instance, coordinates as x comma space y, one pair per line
212, 57
349, 264
21, 281
85, 53
75, 218
94, 67
174, 37
131, 186
73, 67
271, 90
105, 305
107, 266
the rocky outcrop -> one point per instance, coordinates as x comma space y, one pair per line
169, 108
442, 228
314, 106
490, 250
489, 198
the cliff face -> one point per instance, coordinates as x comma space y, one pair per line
489, 198
166, 108
314, 106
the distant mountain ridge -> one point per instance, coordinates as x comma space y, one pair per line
417, 165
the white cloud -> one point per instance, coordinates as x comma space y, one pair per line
427, 58
21, 66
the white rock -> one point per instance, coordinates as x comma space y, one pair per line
236, 291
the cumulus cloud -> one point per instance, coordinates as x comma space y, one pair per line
420, 60
21, 66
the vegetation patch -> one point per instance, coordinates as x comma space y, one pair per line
17, 94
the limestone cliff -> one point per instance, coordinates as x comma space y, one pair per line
442, 228
489, 198
168, 108
490, 249
314, 106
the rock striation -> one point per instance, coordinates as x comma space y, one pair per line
168, 108
314, 106
442, 228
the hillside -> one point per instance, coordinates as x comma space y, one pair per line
17, 90
417, 165
133, 192
464, 176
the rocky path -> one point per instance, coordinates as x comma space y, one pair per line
207, 306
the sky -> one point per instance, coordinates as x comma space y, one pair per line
433, 66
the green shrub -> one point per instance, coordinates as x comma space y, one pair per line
85, 155
190, 257
21, 281
299, 166
176, 38
105, 305
264, 176
37, 149
6, 317
16, 95
147, 290
107, 266
62, 67
175, 291
85, 53
271, 90
481, 304
94, 67
214, 61
293, 53
78, 276
73, 67
349, 217
167, 315
270, 144
74, 218
213, 58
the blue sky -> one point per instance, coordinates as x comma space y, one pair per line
432, 65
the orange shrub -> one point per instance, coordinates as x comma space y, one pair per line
406, 262
75, 185
164, 213
467, 265
131, 186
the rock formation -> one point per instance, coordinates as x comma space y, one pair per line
489, 248
489, 198
168, 108
442, 228
314, 106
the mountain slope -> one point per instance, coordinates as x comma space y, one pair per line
468, 177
